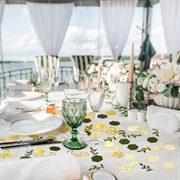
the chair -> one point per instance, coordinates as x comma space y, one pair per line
46, 62
80, 63
178, 57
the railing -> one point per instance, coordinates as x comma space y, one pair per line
21, 74
8, 76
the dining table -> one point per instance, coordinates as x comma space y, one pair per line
130, 149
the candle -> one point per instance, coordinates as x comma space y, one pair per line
116, 53
99, 68
131, 69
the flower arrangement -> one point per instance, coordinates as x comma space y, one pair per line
163, 78
111, 72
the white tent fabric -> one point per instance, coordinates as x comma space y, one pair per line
117, 18
2, 3
50, 22
171, 22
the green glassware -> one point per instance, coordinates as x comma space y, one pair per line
34, 78
45, 87
74, 112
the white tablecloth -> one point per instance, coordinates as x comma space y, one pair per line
132, 150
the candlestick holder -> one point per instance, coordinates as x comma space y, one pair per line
130, 87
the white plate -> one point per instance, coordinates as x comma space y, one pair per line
27, 124
24, 106
23, 95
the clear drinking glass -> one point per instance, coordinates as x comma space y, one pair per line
96, 90
55, 77
45, 87
74, 112
76, 86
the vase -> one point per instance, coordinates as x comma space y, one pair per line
168, 102
122, 93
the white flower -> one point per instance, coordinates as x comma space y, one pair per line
137, 66
123, 78
124, 71
145, 83
127, 67
153, 82
140, 81
97, 68
91, 69
161, 87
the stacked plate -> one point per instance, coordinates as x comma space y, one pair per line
32, 123
23, 95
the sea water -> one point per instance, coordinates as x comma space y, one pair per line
22, 65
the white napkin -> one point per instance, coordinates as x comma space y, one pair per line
62, 167
163, 118
12, 86
24, 105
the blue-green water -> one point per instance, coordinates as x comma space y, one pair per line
22, 65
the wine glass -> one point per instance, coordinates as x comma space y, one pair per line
96, 90
76, 86
45, 87
74, 112
34, 78
55, 77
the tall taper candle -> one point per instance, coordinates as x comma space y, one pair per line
116, 53
99, 67
131, 69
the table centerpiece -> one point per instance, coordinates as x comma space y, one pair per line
163, 82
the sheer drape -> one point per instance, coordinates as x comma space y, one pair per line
2, 3
50, 22
117, 18
171, 22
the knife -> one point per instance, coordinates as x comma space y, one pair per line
27, 143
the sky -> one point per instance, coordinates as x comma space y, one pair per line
83, 35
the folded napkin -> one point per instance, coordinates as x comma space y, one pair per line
163, 118
24, 105
12, 86
61, 167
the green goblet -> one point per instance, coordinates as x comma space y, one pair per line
34, 78
45, 87
74, 112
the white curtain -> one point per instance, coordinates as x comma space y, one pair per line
50, 22
2, 3
117, 18
171, 22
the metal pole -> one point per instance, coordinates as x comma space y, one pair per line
2, 64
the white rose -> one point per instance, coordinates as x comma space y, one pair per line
91, 69
145, 83
121, 65
105, 70
137, 66
123, 78
128, 67
161, 87
124, 71
153, 82
108, 78
140, 81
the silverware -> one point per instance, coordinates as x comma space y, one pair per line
26, 143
